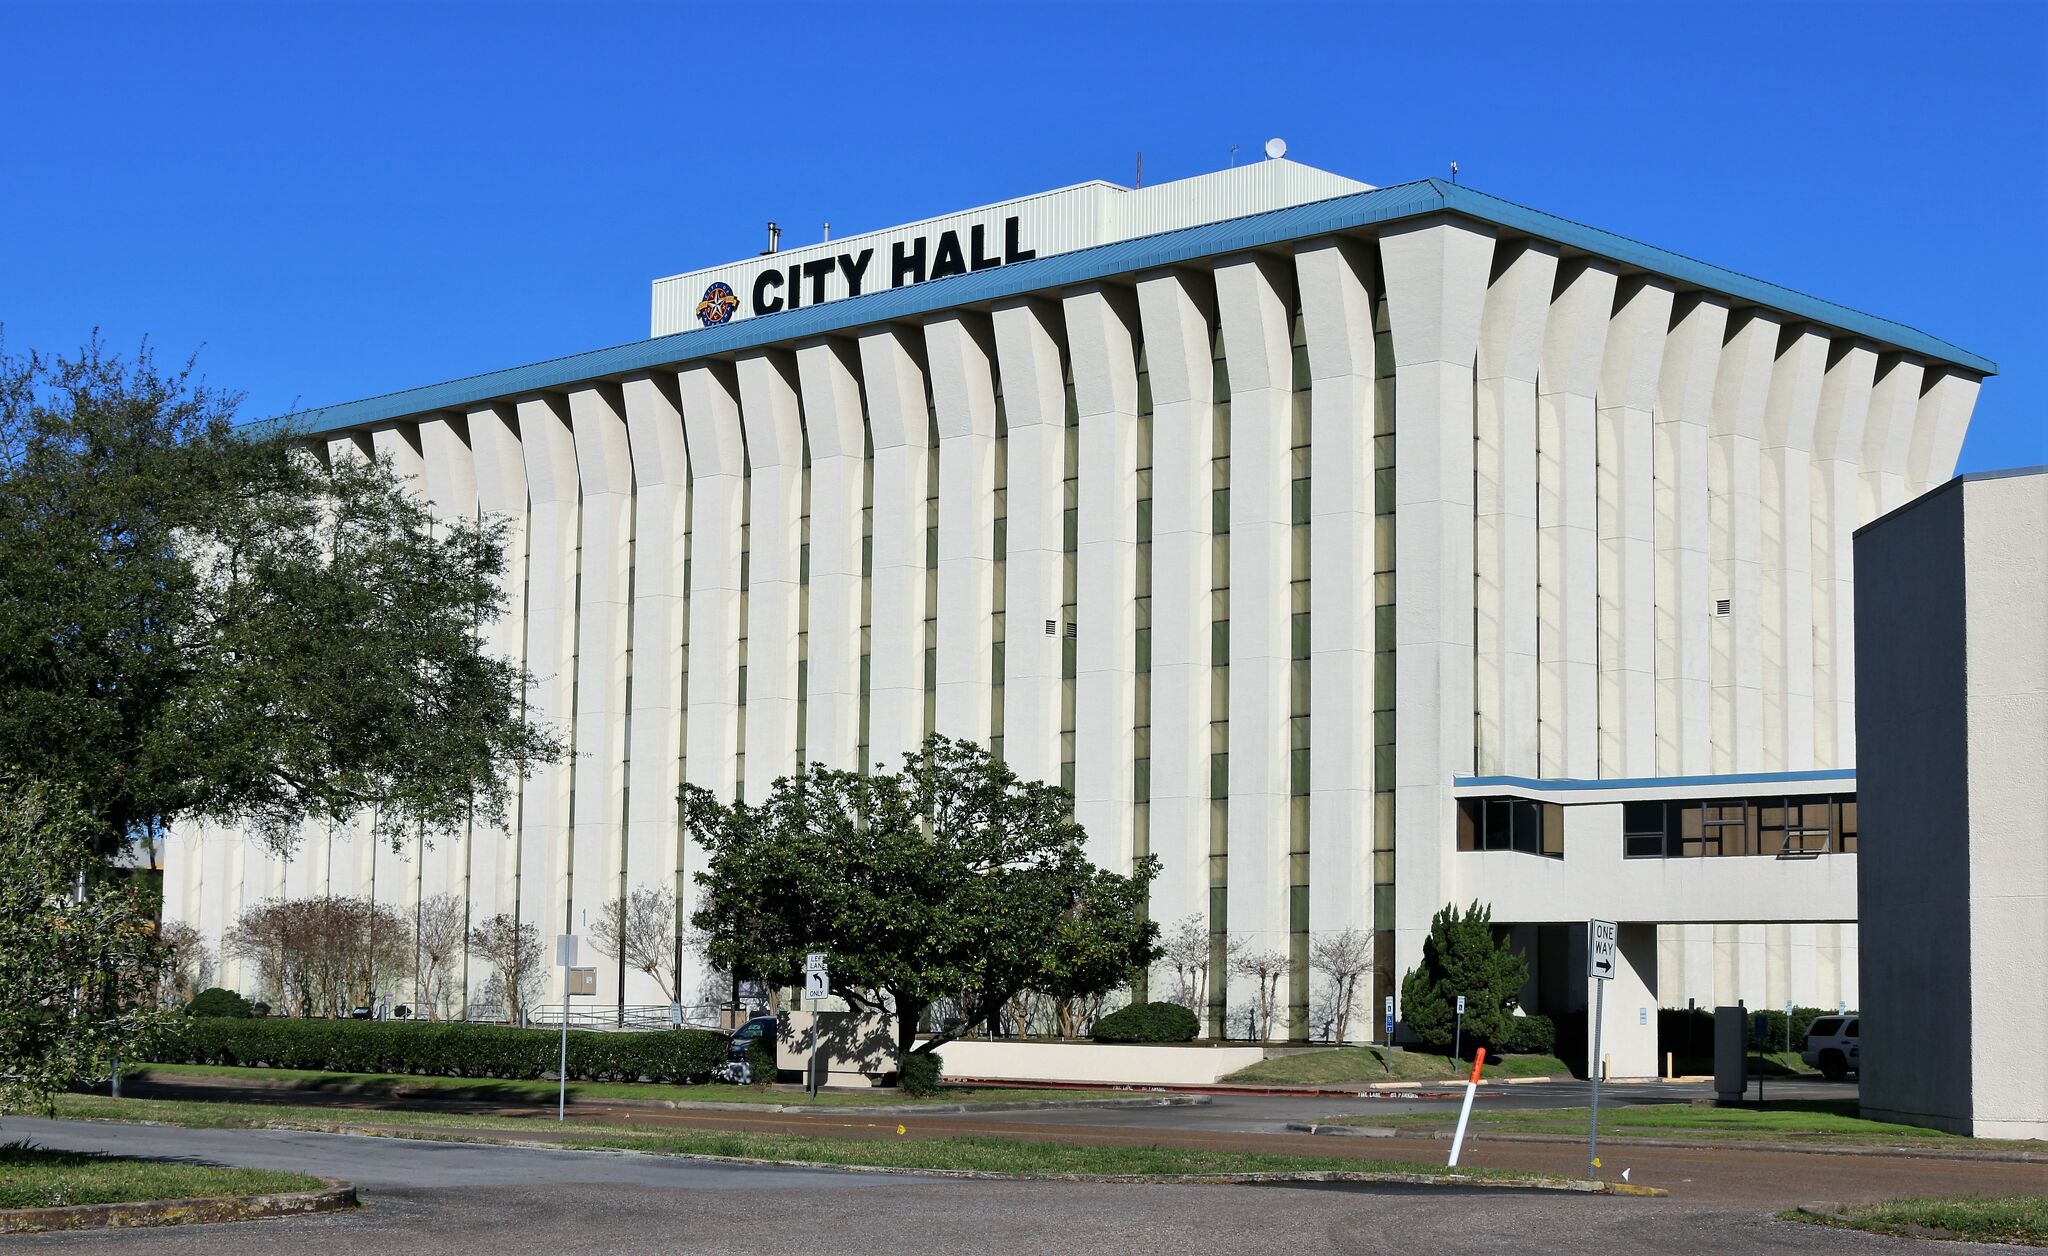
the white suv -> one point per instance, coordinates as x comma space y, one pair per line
1832, 1046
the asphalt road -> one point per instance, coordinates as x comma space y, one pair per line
424, 1199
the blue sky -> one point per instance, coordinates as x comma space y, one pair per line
340, 200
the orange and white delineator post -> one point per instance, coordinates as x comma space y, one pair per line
1465, 1112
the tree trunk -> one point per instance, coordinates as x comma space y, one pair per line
906, 1027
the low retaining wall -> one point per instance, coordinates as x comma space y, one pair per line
1118, 1064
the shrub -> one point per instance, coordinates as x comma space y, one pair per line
1530, 1035
919, 1075
1147, 1022
443, 1049
1463, 956
215, 1001
761, 1060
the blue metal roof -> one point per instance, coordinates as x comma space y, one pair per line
1338, 214
1735, 782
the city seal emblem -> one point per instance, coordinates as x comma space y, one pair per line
717, 305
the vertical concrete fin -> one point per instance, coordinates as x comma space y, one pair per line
1029, 352
961, 348
1791, 409
1176, 310
1627, 577
1838, 440
1735, 479
661, 472
552, 626
1340, 297
1568, 519
1102, 329
829, 371
1504, 523
892, 366
1436, 274
771, 420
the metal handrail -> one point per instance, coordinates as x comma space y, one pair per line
631, 1017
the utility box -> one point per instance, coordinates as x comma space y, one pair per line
1731, 1054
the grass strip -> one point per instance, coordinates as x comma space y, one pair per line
1833, 1121
32, 1177
2020, 1219
979, 1154
525, 1089
1361, 1066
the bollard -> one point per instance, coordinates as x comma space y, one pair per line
1465, 1112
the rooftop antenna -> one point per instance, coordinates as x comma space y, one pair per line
1454, 172
774, 240
1140, 180
1276, 148
828, 229
1233, 154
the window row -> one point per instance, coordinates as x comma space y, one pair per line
1779, 826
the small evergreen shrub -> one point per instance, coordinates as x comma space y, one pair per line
1147, 1022
215, 1001
919, 1073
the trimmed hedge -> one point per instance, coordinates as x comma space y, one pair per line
1147, 1022
446, 1049
1530, 1035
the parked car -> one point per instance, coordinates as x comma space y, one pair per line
1832, 1046
736, 1068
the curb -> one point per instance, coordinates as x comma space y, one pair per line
1811, 1149
333, 1197
1834, 1216
1355, 1131
931, 1109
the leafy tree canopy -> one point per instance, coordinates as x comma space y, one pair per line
950, 879
1461, 955
76, 970
196, 623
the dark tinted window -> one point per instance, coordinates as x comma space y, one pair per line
1824, 1026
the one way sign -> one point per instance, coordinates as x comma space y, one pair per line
1600, 952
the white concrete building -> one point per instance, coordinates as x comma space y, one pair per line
1353, 550
1954, 730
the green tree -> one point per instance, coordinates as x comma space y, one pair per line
76, 969
194, 622
1461, 955
951, 879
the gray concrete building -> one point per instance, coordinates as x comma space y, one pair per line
1952, 729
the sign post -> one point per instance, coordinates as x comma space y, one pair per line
1600, 962
817, 987
1389, 1061
1458, 1041
565, 956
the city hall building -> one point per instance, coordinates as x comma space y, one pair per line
1352, 550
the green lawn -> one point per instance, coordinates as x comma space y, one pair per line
1348, 1066
34, 1178
1828, 1120
2019, 1219
973, 1153
513, 1090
